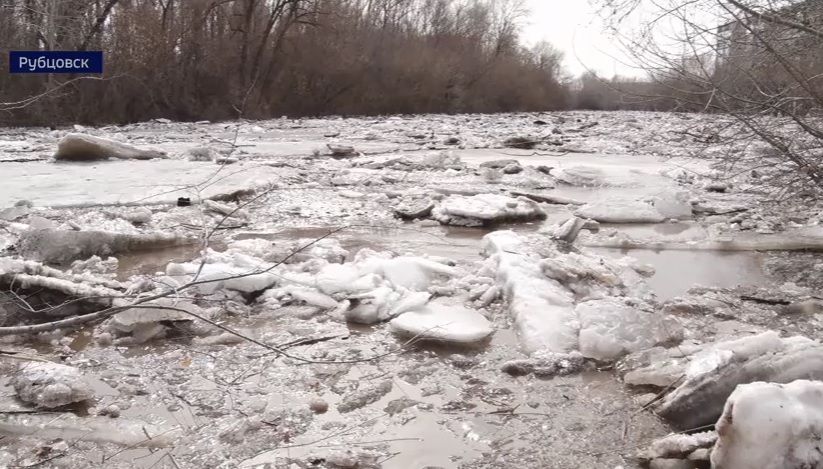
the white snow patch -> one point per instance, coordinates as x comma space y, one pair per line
336, 278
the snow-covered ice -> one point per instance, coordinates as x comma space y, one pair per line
125, 182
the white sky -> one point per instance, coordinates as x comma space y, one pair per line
573, 27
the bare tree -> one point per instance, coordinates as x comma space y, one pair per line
196, 59
759, 62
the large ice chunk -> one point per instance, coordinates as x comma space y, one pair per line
706, 375
699, 400
771, 426
543, 310
438, 321
62, 246
82, 147
661, 367
621, 211
414, 273
673, 204
244, 274
49, 385
335, 278
486, 209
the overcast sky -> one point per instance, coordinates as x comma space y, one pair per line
573, 27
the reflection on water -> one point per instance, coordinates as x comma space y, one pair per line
677, 271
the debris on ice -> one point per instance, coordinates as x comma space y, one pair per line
545, 364
364, 396
202, 154
678, 445
225, 210
546, 198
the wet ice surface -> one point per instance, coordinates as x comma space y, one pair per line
203, 398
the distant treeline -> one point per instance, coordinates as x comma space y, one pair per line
210, 59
